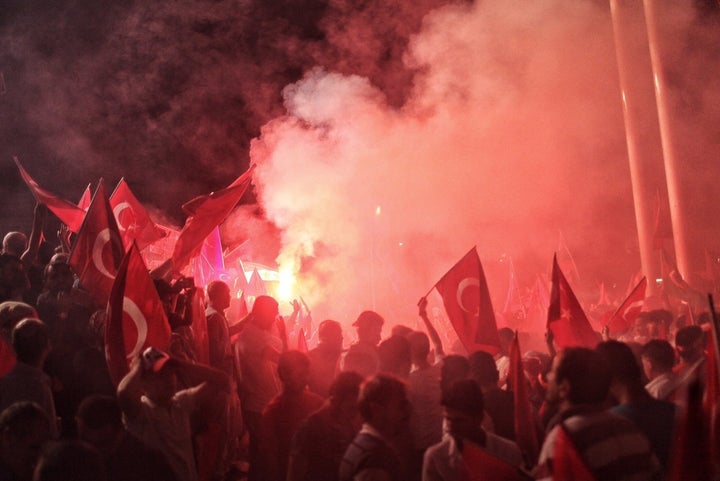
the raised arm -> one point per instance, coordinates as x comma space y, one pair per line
431, 331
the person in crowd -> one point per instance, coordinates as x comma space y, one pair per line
362, 357
259, 348
425, 395
454, 368
690, 346
13, 278
385, 409
321, 440
394, 357
502, 358
99, 424
177, 301
24, 429
14, 243
283, 415
218, 295
658, 360
463, 412
27, 381
499, 403
158, 414
11, 312
610, 446
324, 357
69, 460
656, 419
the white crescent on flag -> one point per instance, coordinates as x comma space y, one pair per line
132, 310
118, 209
97, 252
464, 284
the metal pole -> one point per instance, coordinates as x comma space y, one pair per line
642, 131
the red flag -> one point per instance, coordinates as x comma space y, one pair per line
98, 249
514, 311
209, 265
566, 259
69, 213
526, 434
566, 318
205, 213
626, 315
302, 341
690, 455
479, 465
568, 465
86, 198
135, 316
256, 286
466, 299
132, 219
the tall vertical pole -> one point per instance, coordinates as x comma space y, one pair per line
669, 147
642, 131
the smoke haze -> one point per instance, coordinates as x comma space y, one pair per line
390, 136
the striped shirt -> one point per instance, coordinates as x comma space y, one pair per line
612, 447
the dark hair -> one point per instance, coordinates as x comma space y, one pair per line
30, 339
291, 360
327, 328
466, 396
18, 416
419, 344
454, 367
587, 373
660, 353
98, 411
623, 364
483, 368
215, 288
379, 389
346, 385
394, 356
687, 336
70, 460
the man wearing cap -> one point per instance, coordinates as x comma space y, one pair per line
158, 414
362, 357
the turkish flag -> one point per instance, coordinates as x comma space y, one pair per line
205, 213
98, 249
69, 213
526, 432
479, 464
626, 315
133, 221
568, 465
566, 318
86, 198
135, 316
465, 295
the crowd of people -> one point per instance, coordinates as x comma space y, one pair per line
394, 409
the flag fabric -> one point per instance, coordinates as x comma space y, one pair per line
566, 318
209, 265
566, 260
69, 213
526, 432
98, 249
466, 298
135, 316
629, 311
514, 310
256, 286
205, 213
690, 454
302, 341
480, 465
86, 198
132, 218
568, 465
